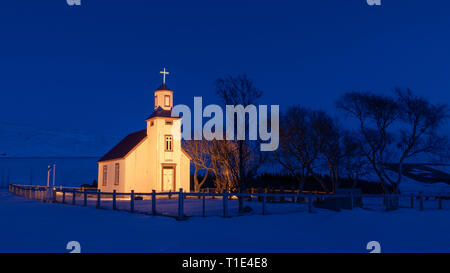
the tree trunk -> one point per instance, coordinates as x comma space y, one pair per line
242, 178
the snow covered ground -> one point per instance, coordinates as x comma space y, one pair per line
33, 226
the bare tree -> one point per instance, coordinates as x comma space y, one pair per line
198, 151
327, 139
293, 153
225, 157
393, 129
300, 147
240, 90
419, 124
354, 163
218, 157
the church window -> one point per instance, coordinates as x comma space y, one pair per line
116, 180
168, 145
166, 100
168, 122
105, 175
151, 123
156, 102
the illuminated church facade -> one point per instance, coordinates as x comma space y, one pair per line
149, 159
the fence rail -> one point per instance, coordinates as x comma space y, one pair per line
186, 204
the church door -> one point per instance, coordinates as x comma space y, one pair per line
168, 179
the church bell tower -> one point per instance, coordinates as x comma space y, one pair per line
163, 95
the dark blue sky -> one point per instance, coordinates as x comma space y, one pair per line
94, 67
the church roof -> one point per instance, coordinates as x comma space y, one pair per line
163, 87
161, 113
125, 146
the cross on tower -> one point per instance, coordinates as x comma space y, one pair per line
164, 72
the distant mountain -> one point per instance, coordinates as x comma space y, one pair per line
17, 140
423, 177
425, 172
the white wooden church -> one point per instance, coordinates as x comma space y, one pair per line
149, 159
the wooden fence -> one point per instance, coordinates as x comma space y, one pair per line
89, 196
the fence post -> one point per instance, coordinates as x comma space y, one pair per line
98, 198
132, 201
114, 199
225, 203
63, 196
310, 202
412, 200
84, 198
153, 202
204, 205
74, 197
180, 205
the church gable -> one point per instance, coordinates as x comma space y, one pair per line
125, 146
